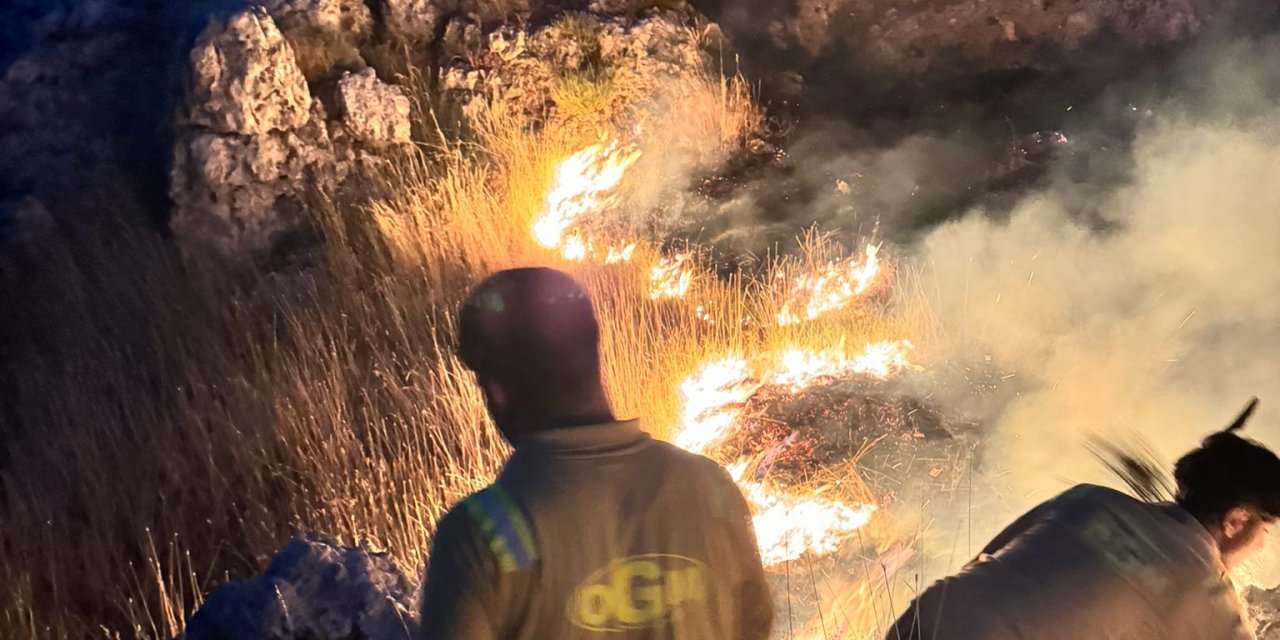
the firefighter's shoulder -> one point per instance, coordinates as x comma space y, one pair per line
500, 524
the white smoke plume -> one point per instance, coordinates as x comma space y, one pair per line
1159, 317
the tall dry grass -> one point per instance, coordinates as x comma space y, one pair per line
171, 427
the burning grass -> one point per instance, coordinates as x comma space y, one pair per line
179, 429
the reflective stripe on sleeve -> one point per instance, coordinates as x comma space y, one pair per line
504, 527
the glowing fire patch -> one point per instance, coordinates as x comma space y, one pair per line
585, 183
671, 277
829, 289
713, 398
788, 525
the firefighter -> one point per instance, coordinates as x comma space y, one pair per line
1096, 563
593, 529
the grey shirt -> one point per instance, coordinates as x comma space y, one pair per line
598, 532
1091, 563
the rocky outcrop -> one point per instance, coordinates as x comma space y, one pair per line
245, 79
562, 66
259, 131
255, 137
347, 19
252, 139
426, 20
894, 44
314, 589
374, 112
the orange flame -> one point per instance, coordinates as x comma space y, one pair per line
787, 525
671, 277
585, 182
830, 289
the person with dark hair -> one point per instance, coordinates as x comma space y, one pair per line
1096, 563
592, 529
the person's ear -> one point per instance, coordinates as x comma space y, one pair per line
493, 392
1235, 522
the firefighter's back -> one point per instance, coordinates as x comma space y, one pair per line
634, 539
1094, 564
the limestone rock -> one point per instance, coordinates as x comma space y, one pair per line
524, 69
896, 43
339, 17
326, 35
245, 79
252, 140
314, 589
422, 20
418, 19
374, 112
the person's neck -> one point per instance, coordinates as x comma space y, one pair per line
585, 417
582, 416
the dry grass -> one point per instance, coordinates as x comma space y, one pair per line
184, 428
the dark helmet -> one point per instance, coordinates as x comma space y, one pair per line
1227, 471
529, 322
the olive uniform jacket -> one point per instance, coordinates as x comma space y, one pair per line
1092, 563
598, 532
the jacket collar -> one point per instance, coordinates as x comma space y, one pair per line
595, 436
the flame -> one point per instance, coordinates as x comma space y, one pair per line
880, 360
671, 277
586, 182
713, 398
832, 288
787, 525
620, 255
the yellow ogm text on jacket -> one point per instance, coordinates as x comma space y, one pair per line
637, 592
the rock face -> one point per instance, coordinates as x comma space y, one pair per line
252, 139
556, 67
314, 589
245, 79
349, 19
372, 111
901, 43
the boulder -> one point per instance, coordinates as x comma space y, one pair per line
245, 80
348, 18
314, 589
423, 20
417, 20
374, 112
251, 142
887, 44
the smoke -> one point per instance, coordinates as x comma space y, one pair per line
1157, 313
